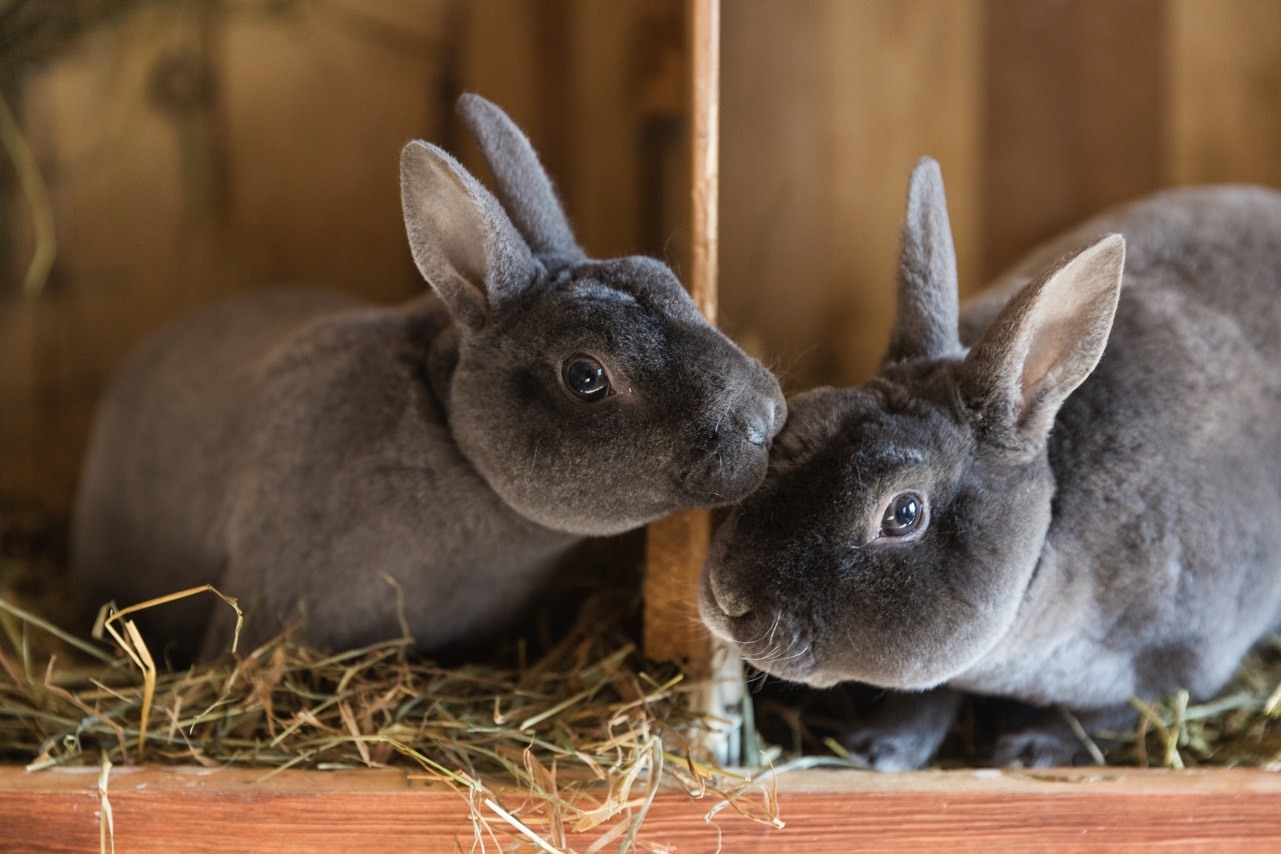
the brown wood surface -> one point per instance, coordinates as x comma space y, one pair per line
1074, 100
677, 546
1038, 110
190, 809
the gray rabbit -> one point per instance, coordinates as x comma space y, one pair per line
297, 448
1020, 504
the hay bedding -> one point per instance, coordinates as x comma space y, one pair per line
579, 738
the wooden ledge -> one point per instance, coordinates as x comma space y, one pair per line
197, 809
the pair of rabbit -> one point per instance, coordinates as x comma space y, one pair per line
1068, 493
302, 451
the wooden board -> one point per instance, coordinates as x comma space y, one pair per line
191, 809
677, 546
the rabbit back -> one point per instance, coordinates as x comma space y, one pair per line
1167, 463
150, 510
288, 448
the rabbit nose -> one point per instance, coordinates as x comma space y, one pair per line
762, 429
732, 604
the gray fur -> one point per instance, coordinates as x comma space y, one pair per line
1104, 511
294, 447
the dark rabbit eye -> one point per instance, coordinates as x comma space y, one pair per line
904, 515
585, 378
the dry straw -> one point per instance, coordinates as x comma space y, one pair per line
579, 740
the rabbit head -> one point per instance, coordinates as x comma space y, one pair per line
591, 395
900, 522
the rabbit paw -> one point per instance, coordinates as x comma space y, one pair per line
1050, 738
1039, 748
904, 730
889, 749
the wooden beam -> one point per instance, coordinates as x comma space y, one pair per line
677, 546
1073, 106
200, 809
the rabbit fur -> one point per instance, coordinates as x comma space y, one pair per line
1068, 493
303, 451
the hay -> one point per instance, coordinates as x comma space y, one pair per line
581, 739
1240, 727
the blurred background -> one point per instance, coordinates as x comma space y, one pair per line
158, 155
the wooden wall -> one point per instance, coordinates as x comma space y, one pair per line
193, 150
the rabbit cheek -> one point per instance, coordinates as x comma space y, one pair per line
740, 605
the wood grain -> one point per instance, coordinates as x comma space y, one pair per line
1073, 99
160, 809
1224, 97
677, 546
826, 110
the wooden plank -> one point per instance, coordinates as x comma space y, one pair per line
1074, 105
167, 197
903, 80
773, 224
1224, 92
190, 809
677, 546
827, 108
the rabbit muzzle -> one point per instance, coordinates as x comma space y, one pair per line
729, 451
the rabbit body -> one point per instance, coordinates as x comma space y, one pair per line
1162, 562
1009, 507
321, 458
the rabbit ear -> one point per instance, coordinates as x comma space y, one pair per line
925, 322
1046, 341
462, 241
522, 184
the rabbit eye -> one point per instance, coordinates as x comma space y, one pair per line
904, 515
585, 378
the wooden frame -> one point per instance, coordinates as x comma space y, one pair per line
185, 809
677, 546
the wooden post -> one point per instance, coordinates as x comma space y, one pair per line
676, 546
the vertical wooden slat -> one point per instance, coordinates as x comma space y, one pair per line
677, 546
1224, 92
705, 74
901, 80
1074, 110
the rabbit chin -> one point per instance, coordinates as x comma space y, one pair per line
586, 517
788, 655
819, 671
705, 484
721, 477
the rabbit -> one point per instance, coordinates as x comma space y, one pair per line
306, 453
1068, 494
